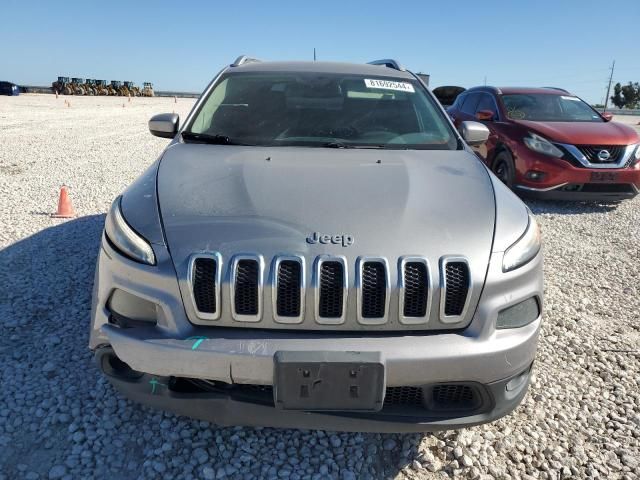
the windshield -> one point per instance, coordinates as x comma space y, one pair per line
543, 107
323, 110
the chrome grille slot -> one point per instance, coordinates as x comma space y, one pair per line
456, 286
204, 284
331, 289
288, 289
373, 290
415, 289
204, 277
246, 288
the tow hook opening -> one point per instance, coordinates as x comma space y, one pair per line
114, 367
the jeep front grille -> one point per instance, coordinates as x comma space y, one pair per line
373, 290
204, 275
289, 289
369, 299
246, 288
416, 288
204, 285
455, 288
331, 289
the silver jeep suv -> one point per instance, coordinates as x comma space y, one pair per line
318, 247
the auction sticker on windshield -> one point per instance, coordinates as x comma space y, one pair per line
389, 85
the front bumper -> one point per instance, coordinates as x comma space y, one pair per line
566, 181
173, 348
227, 407
597, 192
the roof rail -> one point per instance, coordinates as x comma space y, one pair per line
390, 63
485, 88
242, 59
557, 88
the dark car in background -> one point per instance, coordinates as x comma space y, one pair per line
8, 88
548, 143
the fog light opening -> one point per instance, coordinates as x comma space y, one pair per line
535, 175
519, 315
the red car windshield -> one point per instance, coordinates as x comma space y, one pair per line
544, 107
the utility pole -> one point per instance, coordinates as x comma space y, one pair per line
314, 54
606, 100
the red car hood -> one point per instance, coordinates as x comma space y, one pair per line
584, 133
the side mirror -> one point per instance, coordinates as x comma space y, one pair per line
606, 116
164, 125
474, 133
485, 115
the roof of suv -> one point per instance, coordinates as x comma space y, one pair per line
523, 90
324, 67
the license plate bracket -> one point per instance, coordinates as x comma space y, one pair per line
604, 177
329, 381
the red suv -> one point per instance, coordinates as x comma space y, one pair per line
548, 143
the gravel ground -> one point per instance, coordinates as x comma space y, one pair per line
60, 419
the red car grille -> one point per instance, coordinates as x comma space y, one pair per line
592, 153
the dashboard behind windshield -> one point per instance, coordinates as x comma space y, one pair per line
313, 109
548, 108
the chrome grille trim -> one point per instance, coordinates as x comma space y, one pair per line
584, 161
234, 272
443, 289
275, 270
359, 268
218, 279
316, 287
402, 262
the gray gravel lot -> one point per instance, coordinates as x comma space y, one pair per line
60, 419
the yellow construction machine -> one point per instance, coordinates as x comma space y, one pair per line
147, 90
62, 86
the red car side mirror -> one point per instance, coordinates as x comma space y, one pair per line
484, 115
606, 116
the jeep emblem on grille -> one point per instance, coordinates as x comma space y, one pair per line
344, 240
604, 155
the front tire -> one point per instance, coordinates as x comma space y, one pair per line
504, 168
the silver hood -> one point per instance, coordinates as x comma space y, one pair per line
393, 203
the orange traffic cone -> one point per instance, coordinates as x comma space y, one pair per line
65, 209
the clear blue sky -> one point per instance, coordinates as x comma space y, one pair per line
181, 45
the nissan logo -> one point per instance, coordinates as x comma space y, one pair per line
604, 155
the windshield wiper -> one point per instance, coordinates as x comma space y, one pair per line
210, 139
336, 145
349, 145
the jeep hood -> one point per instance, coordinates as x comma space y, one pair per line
584, 133
233, 199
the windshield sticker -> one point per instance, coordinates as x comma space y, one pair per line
575, 99
516, 114
389, 85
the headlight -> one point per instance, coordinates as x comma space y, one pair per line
525, 248
542, 145
636, 155
125, 239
